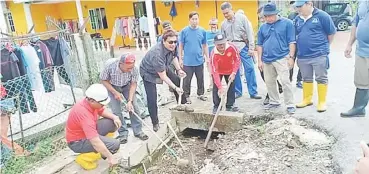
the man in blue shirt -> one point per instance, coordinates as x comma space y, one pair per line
193, 47
361, 77
210, 34
314, 34
276, 47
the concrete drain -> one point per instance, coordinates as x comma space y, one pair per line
201, 134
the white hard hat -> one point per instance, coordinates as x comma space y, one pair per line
99, 93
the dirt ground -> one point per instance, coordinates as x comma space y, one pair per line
283, 145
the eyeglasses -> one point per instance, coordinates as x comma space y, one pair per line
172, 42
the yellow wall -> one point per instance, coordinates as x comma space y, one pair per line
18, 17
67, 10
40, 12
206, 10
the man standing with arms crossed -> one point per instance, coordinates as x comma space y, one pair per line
120, 78
276, 47
361, 77
235, 27
315, 32
193, 47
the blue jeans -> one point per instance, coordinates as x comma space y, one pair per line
116, 107
248, 65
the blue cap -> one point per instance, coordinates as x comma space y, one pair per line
300, 3
270, 9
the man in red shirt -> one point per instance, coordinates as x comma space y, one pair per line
224, 62
87, 134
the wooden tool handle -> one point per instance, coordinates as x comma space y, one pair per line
216, 115
180, 95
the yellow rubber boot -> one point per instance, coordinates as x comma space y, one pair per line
308, 89
110, 135
88, 160
322, 95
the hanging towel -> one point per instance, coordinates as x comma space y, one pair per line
130, 27
125, 26
173, 11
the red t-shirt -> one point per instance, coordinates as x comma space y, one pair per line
82, 122
224, 64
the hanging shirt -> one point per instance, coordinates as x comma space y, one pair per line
144, 25
125, 26
118, 27
130, 27
54, 47
48, 60
33, 69
9, 66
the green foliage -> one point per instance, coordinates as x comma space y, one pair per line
20, 164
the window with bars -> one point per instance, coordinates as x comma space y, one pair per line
10, 21
98, 18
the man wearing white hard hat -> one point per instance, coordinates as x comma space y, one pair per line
87, 134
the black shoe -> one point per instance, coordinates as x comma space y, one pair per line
142, 136
256, 97
233, 109
156, 127
122, 139
266, 101
280, 90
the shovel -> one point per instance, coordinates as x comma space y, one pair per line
179, 106
221, 105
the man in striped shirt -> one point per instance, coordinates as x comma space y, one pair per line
120, 77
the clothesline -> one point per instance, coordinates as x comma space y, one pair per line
124, 16
32, 35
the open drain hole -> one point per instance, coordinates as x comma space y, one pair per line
189, 133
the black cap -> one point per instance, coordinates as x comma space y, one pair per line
166, 24
219, 39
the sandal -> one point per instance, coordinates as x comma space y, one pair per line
142, 136
122, 139
202, 97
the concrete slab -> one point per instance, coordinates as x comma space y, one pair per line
202, 119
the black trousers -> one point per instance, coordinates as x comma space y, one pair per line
199, 72
231, 95
152, 95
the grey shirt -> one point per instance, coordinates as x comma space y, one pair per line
116, 76
238, 29
157, 59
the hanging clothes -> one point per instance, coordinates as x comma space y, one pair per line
125, 26
118, 27
33, 69
65, 52
54, 47
46, 70
130, 27
14, 83
144, 26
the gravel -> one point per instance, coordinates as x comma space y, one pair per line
283, 145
